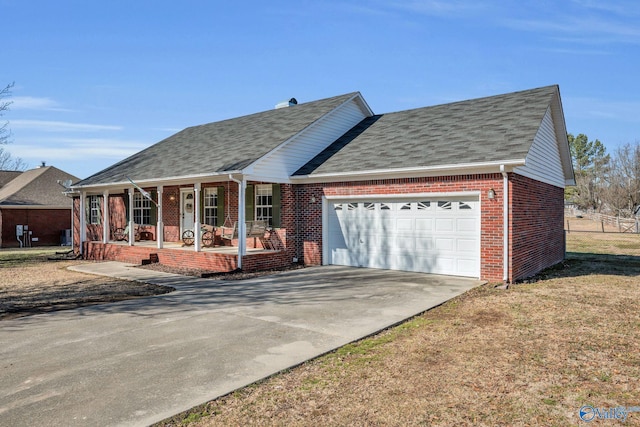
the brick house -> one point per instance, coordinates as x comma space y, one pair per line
472, 188
35, 201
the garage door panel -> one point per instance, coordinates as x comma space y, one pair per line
437, 236
466, 224
466, 245
444, 225
445, 244
424, 226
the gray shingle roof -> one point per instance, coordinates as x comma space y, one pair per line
37, 187
479, 130
217, 147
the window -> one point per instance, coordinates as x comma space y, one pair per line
406, 206
352, 206
337, 206
141, 209
444, 205
210, 206
384, 207
423, 206
369, 206
94, 210
464, 205
264, 203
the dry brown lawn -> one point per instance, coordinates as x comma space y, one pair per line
30, 284
530, 355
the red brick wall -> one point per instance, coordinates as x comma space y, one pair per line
45, 224
537, 226
536, 223
491, 240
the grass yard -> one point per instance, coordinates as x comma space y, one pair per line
530, 355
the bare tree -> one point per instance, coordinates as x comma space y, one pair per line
7, 162
622, 191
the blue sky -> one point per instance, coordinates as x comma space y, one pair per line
98, 81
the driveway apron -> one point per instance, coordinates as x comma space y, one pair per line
136, 362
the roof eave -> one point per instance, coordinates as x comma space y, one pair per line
174, 180
440, 170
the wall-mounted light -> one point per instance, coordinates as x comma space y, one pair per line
491, 194
172, 198
312, 199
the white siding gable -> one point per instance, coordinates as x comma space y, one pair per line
543, 160
282, 162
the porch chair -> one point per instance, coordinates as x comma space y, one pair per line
121, 234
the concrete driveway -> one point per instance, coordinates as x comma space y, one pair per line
138, 362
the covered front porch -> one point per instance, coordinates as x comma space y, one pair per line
175, 254
239, 224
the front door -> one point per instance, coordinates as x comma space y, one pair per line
187, 210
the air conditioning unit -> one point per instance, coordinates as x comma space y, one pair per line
65, 237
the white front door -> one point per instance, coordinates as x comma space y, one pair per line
187, 210
439, 235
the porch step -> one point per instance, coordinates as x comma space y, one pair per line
153, 258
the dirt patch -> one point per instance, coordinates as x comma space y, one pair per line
30, 284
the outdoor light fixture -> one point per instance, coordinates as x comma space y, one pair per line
312, 199
172, 198
491, 194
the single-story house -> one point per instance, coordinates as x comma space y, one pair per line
33, 209
472, 188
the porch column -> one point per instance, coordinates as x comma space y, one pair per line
242, 221
105, 217
132, 232
196, 223
160, 225
83, 220
242, 233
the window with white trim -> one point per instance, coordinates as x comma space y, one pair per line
141, 209
210, 206
264, 203
94, 210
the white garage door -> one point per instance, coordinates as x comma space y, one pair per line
439, 236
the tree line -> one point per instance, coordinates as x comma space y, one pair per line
606, 183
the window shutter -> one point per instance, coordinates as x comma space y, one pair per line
275, 200
100, 208
154, 208
87, 209
221, 210
250, 201
125, 198
201, 207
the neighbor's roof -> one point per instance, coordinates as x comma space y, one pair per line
36, 188
219, 147
7, 176
480, 130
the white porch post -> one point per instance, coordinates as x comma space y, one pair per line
242, 221
132, 232
83, 220
105, 217
196, 224
160, 225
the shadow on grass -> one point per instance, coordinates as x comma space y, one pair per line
584, 264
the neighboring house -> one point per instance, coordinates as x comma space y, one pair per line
34, 200
472, 188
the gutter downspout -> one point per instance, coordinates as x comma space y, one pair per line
242, 240
505, 223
